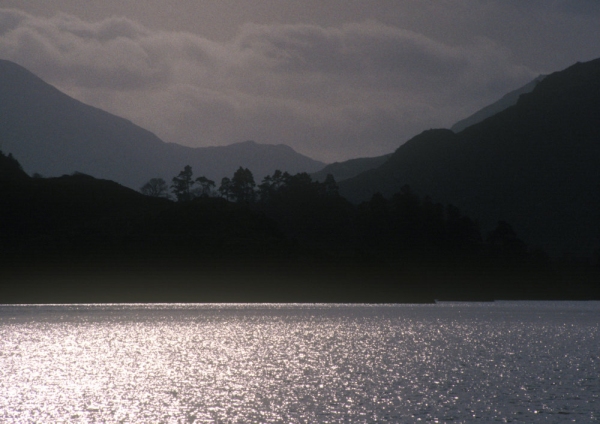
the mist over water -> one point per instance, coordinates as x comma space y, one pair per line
186, 363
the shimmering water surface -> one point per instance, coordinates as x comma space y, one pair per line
502, 361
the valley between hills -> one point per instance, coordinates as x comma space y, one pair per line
507, 207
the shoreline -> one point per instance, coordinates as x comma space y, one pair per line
284, 282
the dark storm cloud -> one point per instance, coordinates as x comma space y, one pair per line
330, 91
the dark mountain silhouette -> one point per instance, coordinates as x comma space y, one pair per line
53, 134
534, 164
508, 100
78, 239
350, 168
528, 174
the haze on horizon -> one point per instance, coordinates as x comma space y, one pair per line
333, 79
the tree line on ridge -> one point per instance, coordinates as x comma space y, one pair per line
286, 226
404, 226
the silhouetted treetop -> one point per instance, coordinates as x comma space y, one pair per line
206, 186
156, 187
182, 184
242, 185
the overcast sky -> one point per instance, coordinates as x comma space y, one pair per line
334, 79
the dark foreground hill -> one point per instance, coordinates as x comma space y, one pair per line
53, 134
534, 164
80, 239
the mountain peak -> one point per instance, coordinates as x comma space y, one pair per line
52, 134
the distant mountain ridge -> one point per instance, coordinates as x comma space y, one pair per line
534, 164
508, 100
353, 167
53, 134
350, 168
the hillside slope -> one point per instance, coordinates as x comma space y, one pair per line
534, 164
53, 134
350, 168
508, 100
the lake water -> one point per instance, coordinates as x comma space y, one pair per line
472, 362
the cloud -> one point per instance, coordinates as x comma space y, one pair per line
353, 48
351, 90
113, 53
372, 56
